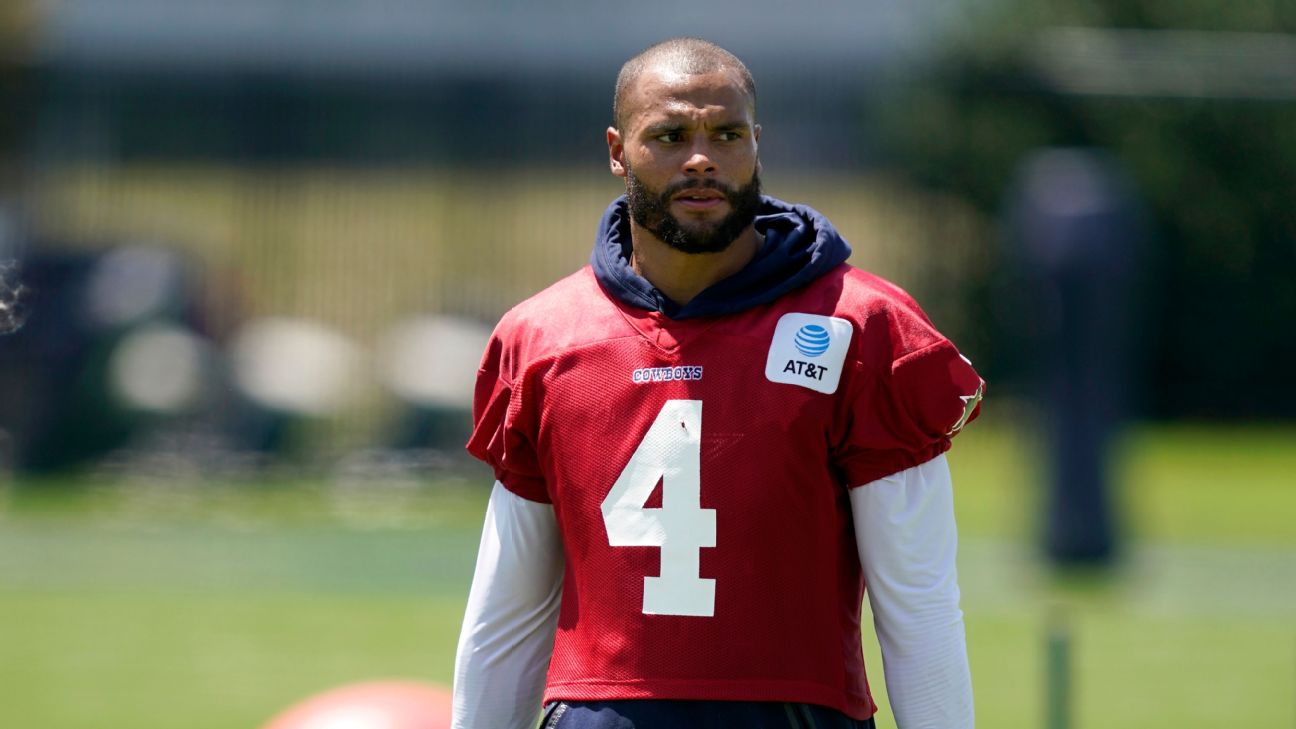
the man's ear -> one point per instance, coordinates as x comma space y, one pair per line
616, 152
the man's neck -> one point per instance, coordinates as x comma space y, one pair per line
682, 276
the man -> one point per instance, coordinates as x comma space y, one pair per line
706, 443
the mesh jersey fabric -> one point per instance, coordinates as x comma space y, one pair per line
562, 405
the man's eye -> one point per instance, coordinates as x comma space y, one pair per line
729, 136
670, 137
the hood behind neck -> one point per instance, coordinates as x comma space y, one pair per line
800, 246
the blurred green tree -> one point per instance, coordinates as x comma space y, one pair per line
1198, 101
18, 19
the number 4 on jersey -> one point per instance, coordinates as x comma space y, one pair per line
671, 453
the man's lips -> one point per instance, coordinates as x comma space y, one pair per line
700, 199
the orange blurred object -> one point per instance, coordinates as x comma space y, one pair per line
376, 705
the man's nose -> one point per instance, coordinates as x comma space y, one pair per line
699, 161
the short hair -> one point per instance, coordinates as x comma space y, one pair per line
686, 55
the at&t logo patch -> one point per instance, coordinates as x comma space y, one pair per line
812, 340
809, 350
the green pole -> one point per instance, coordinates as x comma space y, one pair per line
1058, 670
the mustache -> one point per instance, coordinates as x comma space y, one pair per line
709, 184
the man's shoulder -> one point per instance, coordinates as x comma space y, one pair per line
570, 312
854, 294
868, 294
887, 321
553, 306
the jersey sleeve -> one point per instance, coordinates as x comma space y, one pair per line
505, 424
912, 392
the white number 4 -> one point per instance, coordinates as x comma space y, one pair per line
669, 452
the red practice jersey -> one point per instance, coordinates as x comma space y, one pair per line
699, 471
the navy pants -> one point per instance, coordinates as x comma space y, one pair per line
665, 714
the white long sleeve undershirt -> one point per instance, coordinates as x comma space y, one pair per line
906, 538
512, 615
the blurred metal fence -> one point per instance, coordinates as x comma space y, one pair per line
359, 204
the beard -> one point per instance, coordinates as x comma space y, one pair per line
651, 210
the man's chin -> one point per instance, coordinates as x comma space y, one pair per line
696, 241
697, 229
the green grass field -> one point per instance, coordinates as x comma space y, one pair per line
156, 604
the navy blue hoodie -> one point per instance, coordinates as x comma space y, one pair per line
800, 246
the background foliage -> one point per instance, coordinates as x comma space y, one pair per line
1216, 169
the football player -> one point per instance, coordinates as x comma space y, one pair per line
707, 443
